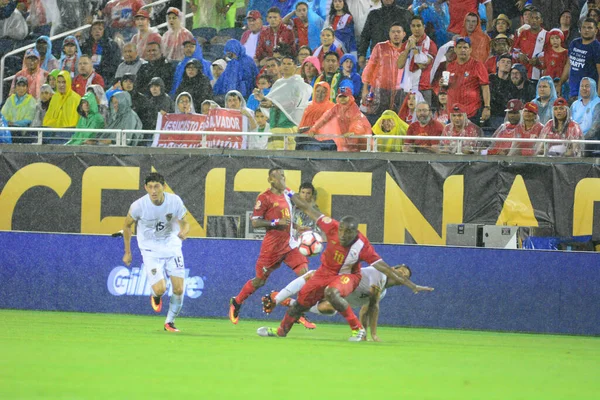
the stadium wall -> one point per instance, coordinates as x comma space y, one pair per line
475, 288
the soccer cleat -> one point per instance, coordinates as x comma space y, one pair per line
267, 332
358, 335
170, 326
307, 324
268, 302
234, 311
156, 305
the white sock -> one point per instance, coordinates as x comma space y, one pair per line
175, 304
291, 289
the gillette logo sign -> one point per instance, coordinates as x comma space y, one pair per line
123, 281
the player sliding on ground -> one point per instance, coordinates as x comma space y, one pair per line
339, 273
160, 231
370, 291
274, 211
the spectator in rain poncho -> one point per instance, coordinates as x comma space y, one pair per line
507, 130
195, 82
240, 73
35, 75
19, 110
561, 126
342, 23
263, 86
90, 118
460, 126
529, 128
436, 15
42, 105
390, 124
208, 105
545, 98
62, 111
347, 76
101, 100
70, 55
48, 62
122, 117
12, 22
235, 101
310, 70
160, 102
408, 109
344, 120
320, 104
5, 136
51, 78
191, 50
583, 108
145, 34
315, 24
176, 35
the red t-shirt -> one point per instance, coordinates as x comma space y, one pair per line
301, 32
525, 42
465, 84
337, 259
433, 128
459, 9
270, 206
490, 65
425, 80
527, 149
554, 62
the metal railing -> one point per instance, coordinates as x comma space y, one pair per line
122, 135
29, 46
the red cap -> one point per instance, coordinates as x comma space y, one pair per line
253, 14
514, 105
143, 14
555, 32
174, 10
560, 102
531, 107
457, 109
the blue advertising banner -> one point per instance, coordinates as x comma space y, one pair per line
475, 288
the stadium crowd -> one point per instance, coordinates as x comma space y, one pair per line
347, 68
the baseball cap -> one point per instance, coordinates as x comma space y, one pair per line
190, 40
21, 80
529, 8
514, 105
457, 109
70, 40
32, 53
505, 55
97, 20
531, 107
443, 91
220, 63
344, 91
462, 39
174, 10
143, 14
253, 14
555, 32
560, 102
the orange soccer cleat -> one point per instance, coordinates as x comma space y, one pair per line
156, 305
170, 327
307, 324
234, 311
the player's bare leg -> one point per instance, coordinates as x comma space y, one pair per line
175, 303
333, 296
158, 289
271, 300
235, 304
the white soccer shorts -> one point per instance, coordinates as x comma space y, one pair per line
158, 268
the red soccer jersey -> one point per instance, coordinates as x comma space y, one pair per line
271, 206
554, 62
337, 259
301, 32
465, 84
459, 9
433, 128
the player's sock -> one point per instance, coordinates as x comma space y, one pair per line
290, 290
175, 304
286, 325
246, 291
351, 318
315, 310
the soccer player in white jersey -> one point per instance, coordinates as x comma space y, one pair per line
370, 291
160, 232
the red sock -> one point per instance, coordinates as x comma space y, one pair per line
286, 325
246, 291
351, 318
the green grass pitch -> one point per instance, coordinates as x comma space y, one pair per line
55, 355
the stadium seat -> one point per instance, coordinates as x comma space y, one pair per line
6, 45
206, 33
213, 52
220, 40
234, 33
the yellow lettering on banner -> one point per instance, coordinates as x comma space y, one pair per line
214, 200
330, 183
93, 182
37, 174
587, 192
255, 180
517, 209
401, 214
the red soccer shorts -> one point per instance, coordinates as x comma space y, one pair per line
269, 261
314, 290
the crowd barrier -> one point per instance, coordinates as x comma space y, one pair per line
475, 288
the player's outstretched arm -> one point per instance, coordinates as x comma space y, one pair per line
396, 279
184, 229
129, 221
305, 206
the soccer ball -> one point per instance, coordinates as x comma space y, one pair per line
311, 243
